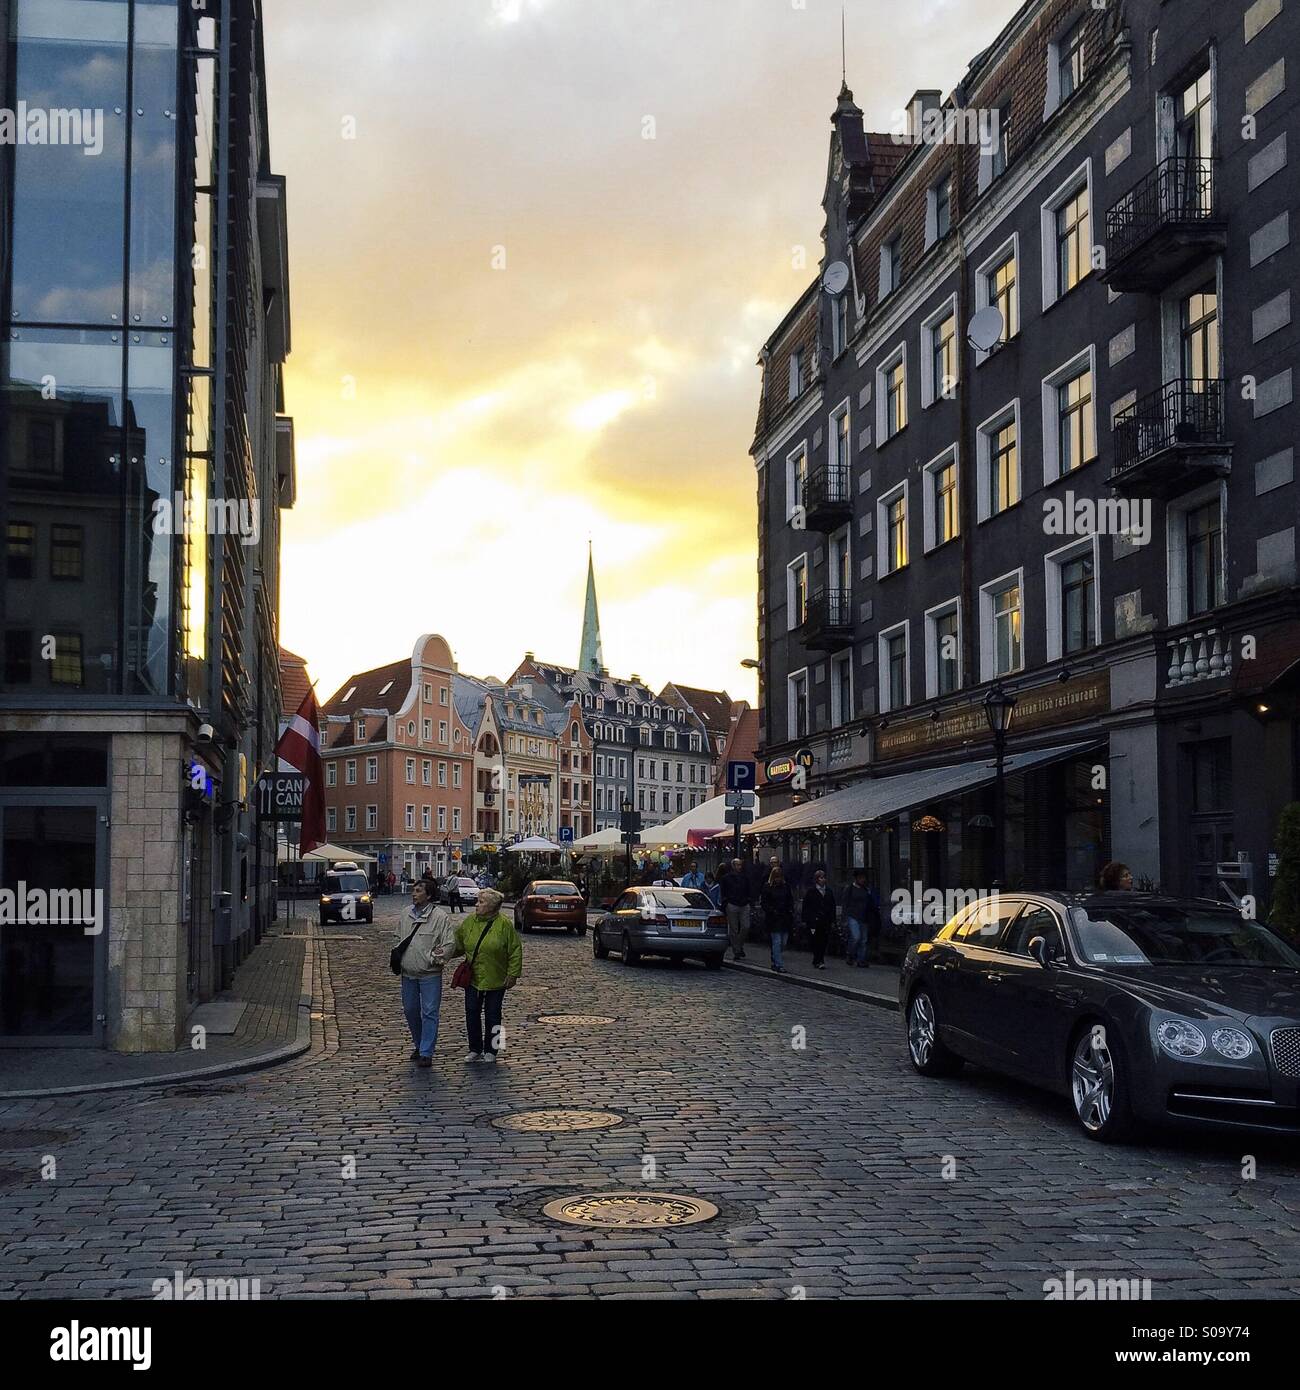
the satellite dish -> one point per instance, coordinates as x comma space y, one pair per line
985, 329
835, 277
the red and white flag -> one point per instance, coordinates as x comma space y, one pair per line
299, 751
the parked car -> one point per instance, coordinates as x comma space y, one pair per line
652, 921
1142, 1008
466, 891
345, 895
548, 902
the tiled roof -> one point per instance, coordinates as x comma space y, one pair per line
713, 706
294, 681
386, 688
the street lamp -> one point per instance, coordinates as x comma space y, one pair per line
625, 820
999, 708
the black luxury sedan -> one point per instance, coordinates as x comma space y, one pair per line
1141, 1008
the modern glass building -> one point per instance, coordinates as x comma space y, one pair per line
146, 458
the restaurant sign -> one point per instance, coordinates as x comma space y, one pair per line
782, 769
1044, 705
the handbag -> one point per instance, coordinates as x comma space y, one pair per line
396, 954
465, 970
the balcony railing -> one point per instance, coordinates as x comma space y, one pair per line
1162, 225
826, 497
1173, 438
1203, 655
829, 619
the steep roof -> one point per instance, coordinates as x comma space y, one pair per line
294, 681
385, 688
713, 707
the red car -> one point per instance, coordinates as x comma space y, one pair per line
551, 902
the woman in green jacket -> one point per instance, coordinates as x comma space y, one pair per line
489, 938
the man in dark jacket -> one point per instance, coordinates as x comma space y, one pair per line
861, 919
735, 903
819, 917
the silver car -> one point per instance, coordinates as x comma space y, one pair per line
458, 889
657, 921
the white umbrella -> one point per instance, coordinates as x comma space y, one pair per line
322, 854
534, 844
611, 838
708, 815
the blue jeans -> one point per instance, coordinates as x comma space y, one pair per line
420, 1001
856, 950
778, 945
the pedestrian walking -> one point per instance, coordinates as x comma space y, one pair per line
778, 912
819, 917
713, 890
424, 939
861, 919
735, 896
692, 878
494, 954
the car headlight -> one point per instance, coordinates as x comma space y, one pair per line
1180, 1038
1232, 1043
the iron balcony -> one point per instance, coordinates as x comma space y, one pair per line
827, 503
1162, 227
828, 623
1172, 440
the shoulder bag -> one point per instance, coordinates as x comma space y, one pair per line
396, 954
465, 970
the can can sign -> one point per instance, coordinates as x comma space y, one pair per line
280, 795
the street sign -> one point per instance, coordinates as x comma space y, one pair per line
280, 795
467, 846
740, 776
746, 799
566, 834
782, 769
739, 816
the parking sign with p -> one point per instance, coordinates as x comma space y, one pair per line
740, 777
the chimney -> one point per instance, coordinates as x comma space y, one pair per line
921, 102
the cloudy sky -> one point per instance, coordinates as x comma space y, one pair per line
536, 246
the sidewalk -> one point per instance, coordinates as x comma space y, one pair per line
872, 984
268, 1008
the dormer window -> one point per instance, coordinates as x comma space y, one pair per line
361, 730
796, 373
891, 266
1069, 61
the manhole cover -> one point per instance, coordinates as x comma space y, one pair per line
575, 1020
556, 1121
11, 1139
620, 1210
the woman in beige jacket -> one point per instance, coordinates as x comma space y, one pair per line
422, 963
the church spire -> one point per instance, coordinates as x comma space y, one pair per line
591, 659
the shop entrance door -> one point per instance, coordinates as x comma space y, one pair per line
53, 930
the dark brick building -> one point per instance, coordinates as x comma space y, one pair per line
1094, 506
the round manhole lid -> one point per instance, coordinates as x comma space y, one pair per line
557, 1121
13, 1139
623, 1210
576, 1020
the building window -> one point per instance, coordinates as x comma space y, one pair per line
455, 775
796, 600
891, 515
426, 730
1199, 337
350, 818
65, 668
331, 819
1002, 647
331, 774
796, 480
997, 287
65, 552
455, 818
442, 695
350, 772
372, 769
410, 771
442, 731
1204, 558
372, 817
840, 445
943, 352
410, 817
1078, 630
891, 386
428, 693
894, 692
796, 373
442, 774
839, 328
941, 518
1069, 418
426, 817
1194, 126
1001, 156
361, 730
20, 550
1073, 243
1069, 62
442, 818
942, 650
891, 266
938, 211
796, 687
999, 462
841, 688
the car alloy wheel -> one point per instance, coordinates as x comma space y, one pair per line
598, 949
1094, 1083
920, 1030
630, 957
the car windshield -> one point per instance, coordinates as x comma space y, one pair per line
346, 883
1166, 934
681, 898
555, 890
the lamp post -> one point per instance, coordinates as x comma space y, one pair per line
625, 820
999, 707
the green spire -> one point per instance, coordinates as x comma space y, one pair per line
591, 659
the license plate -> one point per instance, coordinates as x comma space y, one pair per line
681, 925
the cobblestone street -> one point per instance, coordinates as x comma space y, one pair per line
827, 1161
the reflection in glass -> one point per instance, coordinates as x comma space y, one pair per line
63, 458
68, 202
153, 163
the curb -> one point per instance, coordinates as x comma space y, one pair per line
861, 996
259, 1062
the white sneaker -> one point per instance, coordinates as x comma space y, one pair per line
489, 1057
472, 1056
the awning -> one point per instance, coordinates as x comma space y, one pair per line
707, 818
877, 797
322, 854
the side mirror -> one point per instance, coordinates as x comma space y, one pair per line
1038, 949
